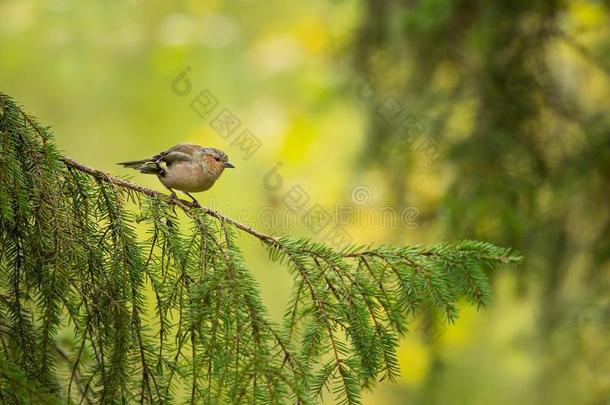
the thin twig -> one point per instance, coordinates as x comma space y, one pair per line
184, 205
66, 358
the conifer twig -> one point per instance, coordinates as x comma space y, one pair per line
184, 205
70, 252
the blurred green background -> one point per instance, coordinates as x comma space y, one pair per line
372, 121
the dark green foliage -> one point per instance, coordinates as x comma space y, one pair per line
162, 313
531, 167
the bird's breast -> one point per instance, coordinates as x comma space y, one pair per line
189, 177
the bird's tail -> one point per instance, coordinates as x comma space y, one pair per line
144, 166
134, 164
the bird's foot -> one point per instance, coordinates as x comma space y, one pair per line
194, 203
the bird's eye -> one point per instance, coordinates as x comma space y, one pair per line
216, 158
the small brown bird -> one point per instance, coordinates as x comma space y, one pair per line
185, 167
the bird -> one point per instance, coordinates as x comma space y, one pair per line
185, 167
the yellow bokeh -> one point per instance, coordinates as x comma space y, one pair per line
414, 358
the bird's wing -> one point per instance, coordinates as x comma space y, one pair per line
173, 157
187, 148
178, 153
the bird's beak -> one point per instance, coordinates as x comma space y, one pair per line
229, 165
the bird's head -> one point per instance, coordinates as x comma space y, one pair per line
215, 160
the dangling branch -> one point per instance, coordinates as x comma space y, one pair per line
72, 256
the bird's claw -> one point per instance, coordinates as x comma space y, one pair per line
195, 203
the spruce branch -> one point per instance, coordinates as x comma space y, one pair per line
182, 204
155, 312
